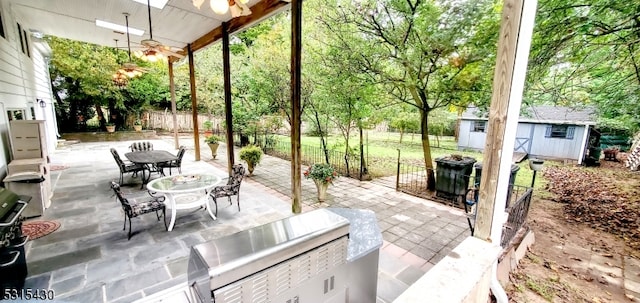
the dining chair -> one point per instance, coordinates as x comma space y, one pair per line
140, 207
141, 146
125, 167
175, 163
232, 188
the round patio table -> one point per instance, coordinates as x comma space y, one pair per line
185, 191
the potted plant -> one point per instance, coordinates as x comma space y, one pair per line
111, 127
137, 125
213, 141
322, 175
208, 127
252, 155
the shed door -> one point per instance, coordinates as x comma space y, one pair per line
524, 135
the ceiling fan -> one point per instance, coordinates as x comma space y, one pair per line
130, 69
119, 78
238, 8
154, 49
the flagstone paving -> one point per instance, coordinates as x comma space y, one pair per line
89, 259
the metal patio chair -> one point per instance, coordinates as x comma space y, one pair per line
232, 188
132, 210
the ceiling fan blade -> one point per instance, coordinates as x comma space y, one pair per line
169, 52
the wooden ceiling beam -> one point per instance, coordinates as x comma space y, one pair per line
263, 9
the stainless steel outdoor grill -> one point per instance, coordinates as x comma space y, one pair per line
13, 264
326, 255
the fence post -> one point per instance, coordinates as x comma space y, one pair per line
398, 171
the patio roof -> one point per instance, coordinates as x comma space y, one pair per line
177, 24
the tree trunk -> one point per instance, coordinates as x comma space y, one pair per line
100, 114
364, 172
426, 149
401, 135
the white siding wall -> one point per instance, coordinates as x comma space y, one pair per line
540, 145
22, 81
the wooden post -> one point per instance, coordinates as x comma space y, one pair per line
172, 88
508, 83
226, 70
296, 48
194, 102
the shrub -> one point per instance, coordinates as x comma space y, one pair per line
251, 154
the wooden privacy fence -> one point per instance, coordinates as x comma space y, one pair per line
164, 120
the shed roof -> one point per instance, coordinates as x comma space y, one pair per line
543, 114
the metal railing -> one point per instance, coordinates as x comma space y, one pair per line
518, 212
412, 179
346, 165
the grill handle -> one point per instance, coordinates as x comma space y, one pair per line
16, 216
15, 258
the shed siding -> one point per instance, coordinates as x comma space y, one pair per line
539, 145
468, 139
557, 147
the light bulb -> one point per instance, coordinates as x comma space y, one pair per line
219, 7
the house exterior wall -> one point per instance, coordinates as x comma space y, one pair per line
530, 137
23, 79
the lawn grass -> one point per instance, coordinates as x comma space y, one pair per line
381, 151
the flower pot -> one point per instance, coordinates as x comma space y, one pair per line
322, 190
137, 128
251, 166
111, 128
214, 149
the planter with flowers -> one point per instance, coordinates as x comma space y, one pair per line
110, 127
137, 125
322, 175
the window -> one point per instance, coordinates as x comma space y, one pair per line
21, 37
560, 131
2, 27
479, 126
16, 114
26, 43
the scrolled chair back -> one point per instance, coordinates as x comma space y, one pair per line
141, 146
116, 156
237, 174
125, 203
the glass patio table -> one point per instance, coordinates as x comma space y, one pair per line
185, 191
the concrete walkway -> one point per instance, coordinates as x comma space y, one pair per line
90, 260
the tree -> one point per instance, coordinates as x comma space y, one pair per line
423, 52
588, 54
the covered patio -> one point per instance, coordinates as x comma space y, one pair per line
90, 260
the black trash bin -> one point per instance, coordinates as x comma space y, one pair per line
452, 176
512, 178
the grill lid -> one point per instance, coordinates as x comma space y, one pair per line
8, 201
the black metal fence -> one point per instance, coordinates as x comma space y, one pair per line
412, 179
346, 165
518, 211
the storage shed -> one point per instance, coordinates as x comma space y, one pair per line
552, 132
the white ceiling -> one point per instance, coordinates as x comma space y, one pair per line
178, 24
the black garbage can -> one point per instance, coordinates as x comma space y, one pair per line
512, 179
452, 176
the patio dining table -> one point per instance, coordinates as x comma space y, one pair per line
185, 192
150, 159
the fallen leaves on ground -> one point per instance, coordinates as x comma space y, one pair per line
604, 199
